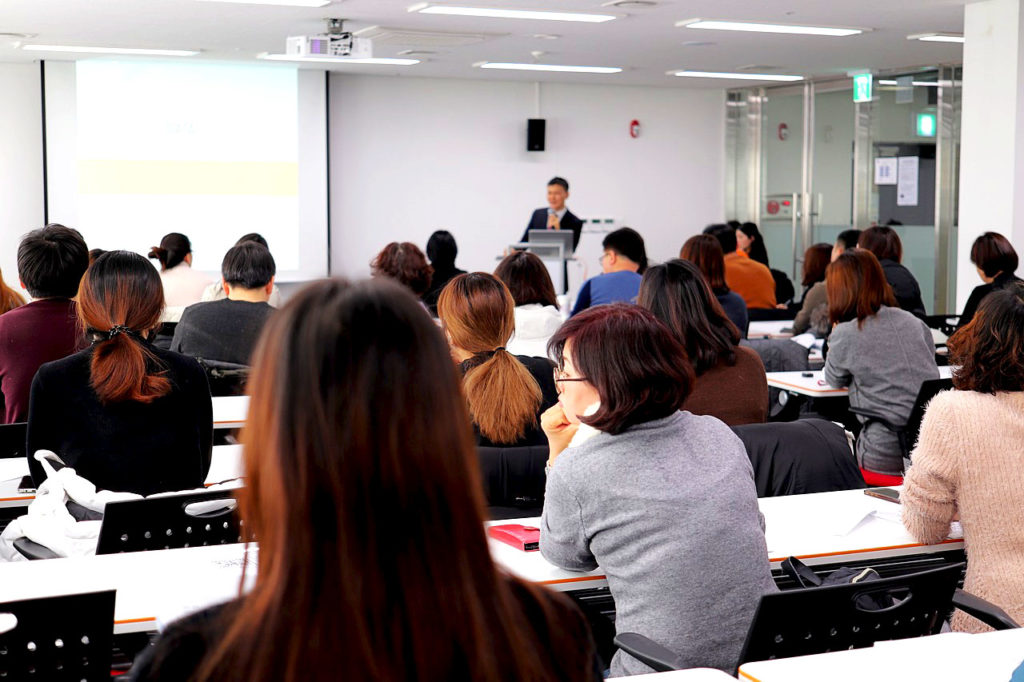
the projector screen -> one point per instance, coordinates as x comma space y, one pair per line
138, 149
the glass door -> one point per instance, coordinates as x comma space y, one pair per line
782, 175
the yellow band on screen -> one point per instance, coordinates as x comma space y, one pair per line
262, 178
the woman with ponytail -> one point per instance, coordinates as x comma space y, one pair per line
9, 297
506, 393
124, 414
183, 286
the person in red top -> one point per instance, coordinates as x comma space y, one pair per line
748, 278
51, 262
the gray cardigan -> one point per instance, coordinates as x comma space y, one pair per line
669, 511
884, 363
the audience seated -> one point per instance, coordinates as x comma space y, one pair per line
183, 286
94, 254
705, 252
51, 261
996, 260
227, 330
663, 500
10, 298
363, 489
622, 264
406, 264
537, 313
750, 242
506, 393
125, 415
881, 352
441, 250
846, 240
816, 259
731, 383
748, 278
887, 247
969, 464
215, 291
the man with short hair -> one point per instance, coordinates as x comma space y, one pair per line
847, 239
226, 330
748, 278
622, 264
556, 216
51, 262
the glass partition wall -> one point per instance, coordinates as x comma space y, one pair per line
805, 162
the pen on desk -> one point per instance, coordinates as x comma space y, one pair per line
822, 382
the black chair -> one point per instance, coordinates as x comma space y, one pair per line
225, 378
58, 638
769, 314
12, 440
804, 456
164, 335
944, 323
170, 522
822, 619
514, 480
907, 433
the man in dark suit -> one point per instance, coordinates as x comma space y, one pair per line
556, 216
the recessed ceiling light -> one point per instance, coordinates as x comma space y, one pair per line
508, 66
937, 37
83, 49
382, 61
757, 27
920, 84
427, 8
546, 36
736, 76
283, 3
635, 4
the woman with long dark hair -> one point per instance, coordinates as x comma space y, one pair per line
705, 251
363, 491
506, 393
883, 241
816, 259
537, 313
126, 415
731, 383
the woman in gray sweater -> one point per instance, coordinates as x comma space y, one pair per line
663, 500
881, 352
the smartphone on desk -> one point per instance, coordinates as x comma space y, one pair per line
887, 494
27, 486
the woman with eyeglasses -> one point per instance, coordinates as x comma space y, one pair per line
662, 500
506, 393
126, 415
364, 493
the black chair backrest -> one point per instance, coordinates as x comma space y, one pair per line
164, 335
225, 378
170, 522
58, 638
929, 389
822, 619
12, 440
514, 479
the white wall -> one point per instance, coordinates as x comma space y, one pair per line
411, 155
21, 161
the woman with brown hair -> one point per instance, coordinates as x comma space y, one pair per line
9, 297
363, 490
506, 393
816, 259
969, 463
881, 352
406, 264
126, 415
883, 241
705, 251
996, 261
537, 313
663, 500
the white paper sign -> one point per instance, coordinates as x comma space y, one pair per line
885, 171
906, 186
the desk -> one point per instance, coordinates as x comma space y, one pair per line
229, 412
813, 386
952, 656
770, 329
225, 464
819, 528
690, 675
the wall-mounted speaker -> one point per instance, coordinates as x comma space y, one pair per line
535, 134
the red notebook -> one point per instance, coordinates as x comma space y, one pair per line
524, 538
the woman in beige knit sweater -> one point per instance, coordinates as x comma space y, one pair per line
969, 460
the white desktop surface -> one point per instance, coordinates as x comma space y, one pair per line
690, 675
815, 386
819, 528
230, 411
952, 657
770, 329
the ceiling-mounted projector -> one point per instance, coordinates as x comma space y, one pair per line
329, 45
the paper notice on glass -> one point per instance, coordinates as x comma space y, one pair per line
906, 186
885, 171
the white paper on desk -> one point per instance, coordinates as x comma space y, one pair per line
806, 340
219, 579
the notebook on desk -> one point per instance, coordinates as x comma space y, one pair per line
523, 538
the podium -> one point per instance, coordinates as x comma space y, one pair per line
554, 248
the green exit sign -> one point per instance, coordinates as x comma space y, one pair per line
862, 87
926, 125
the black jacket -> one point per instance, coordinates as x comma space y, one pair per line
980, 292
904, 286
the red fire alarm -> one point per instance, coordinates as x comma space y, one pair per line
634, 128
783, 132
